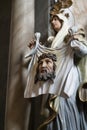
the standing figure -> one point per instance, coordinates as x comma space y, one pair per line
72, 112
70, 47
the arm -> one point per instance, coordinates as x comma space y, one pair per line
79, 43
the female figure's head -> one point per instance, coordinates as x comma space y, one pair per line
56, 23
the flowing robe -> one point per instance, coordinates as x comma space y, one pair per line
71, 112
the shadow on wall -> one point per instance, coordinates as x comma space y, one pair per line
5, 17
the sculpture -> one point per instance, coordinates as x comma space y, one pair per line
68, 43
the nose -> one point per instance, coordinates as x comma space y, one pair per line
52, 21
44, 64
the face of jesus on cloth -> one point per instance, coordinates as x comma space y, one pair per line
46, 67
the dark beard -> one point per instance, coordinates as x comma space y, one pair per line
44, 77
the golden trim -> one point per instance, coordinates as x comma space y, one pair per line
52, 99
83, 99
61, 4
54, 114
47, 121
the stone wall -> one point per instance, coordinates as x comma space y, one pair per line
22, 30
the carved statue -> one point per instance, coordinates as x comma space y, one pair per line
55, 72
68, 44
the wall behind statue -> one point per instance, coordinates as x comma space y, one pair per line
5, 13
22, 30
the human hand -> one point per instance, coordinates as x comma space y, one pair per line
32, 43
68, 38
77, 36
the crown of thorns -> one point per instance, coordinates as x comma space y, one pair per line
47, 55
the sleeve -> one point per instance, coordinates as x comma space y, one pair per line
79, 47
79, 43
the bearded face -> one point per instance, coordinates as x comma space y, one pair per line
45, 70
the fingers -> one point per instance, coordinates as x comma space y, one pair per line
32, 43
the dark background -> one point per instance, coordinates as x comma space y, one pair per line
5, 18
